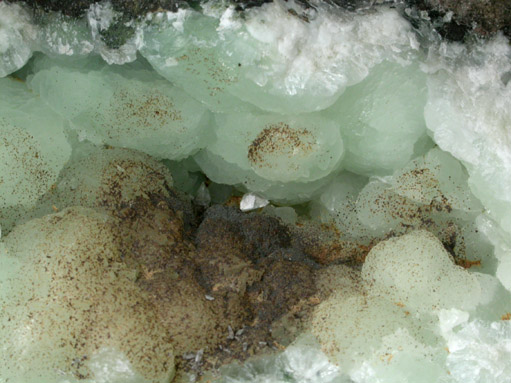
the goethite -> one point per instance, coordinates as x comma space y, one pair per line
295, 191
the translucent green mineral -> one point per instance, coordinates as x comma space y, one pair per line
127, 106
33, 149
404, 280
71, 310
106, 178
393, 139
265, 153
427, 279
468, 113
381, 118
183, 47
290, 64
271, 59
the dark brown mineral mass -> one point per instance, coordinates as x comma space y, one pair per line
226, 285
485, 16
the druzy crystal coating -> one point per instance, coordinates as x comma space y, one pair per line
392, 138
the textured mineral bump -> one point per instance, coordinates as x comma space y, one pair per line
107, 177
33, 150
273, 152
81, 314
126, 106
390, 141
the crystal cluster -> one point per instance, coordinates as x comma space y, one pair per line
402, 150
128, 106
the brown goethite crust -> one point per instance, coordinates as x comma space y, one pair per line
77, 8
485, 17
256, 235
155, 243
324, 244
220, 288
243, 267
131, 8
235, 285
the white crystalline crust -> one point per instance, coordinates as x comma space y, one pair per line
274, 60
469, 115
479, 351
473, 107
60, 35
303, 361
100, 17
64, 36
304, 65
16, 35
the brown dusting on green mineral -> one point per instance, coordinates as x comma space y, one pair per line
224, 285
278, 138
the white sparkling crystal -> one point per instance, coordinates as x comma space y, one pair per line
469, 115
301, 362
16, 37
479, 351
251, 201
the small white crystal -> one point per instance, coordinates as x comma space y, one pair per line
448, 17
449, 319
100, 17
252, 201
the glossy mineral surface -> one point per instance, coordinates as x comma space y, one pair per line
371, 160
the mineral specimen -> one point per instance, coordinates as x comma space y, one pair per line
185, 189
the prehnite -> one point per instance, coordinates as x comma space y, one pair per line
404, 148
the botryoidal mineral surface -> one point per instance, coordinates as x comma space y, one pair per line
375, 151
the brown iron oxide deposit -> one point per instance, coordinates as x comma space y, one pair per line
226, 285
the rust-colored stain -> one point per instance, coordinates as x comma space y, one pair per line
281, 139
